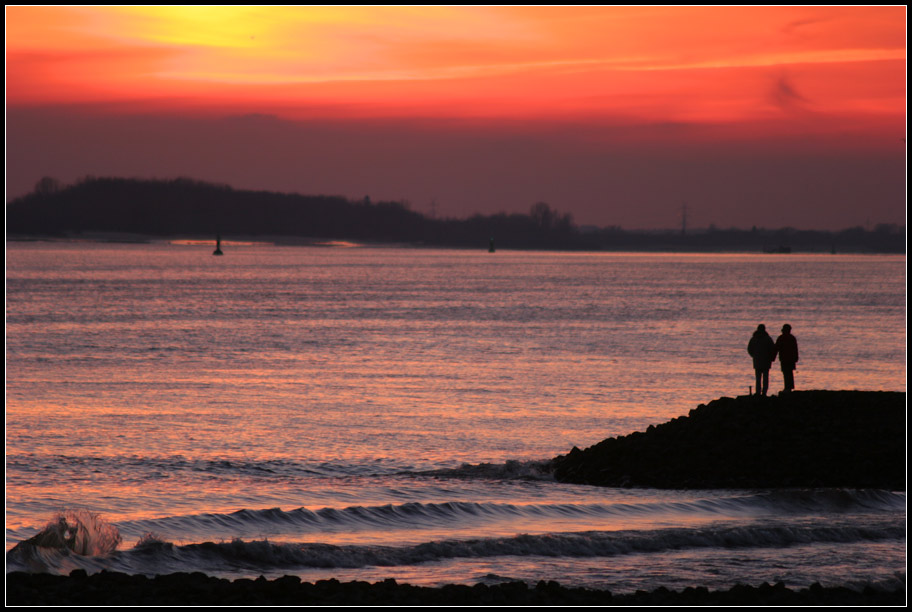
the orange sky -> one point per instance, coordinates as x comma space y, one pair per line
670, 63
458, 91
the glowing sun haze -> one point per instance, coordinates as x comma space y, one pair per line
624, 89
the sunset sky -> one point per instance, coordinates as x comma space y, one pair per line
766, 116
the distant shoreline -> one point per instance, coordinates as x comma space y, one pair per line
113, 588
187, 207
293, 241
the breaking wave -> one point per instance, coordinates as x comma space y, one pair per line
415, 515
71, 533
82, 539
152, 554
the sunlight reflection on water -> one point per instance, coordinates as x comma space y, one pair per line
515, 357
155, 381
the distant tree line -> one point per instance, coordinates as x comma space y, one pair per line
187, 207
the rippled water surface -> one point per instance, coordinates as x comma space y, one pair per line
377, 412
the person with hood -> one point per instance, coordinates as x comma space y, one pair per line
787, 351
763, 350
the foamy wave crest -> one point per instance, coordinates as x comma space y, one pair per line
71, 532
79, 531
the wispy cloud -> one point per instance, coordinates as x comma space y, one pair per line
785, 96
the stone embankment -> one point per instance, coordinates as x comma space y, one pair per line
845, 439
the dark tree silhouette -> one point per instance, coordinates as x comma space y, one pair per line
187, 207
47, 185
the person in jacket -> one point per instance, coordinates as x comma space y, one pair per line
763, 350
787, 352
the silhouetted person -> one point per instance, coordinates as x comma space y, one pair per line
787, 351
763, 350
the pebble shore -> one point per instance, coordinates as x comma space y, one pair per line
183, 589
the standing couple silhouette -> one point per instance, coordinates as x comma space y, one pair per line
764, 351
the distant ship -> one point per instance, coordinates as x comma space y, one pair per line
218, 245
780, 249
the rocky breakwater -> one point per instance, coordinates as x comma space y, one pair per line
850, 439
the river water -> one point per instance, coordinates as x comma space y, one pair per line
367, 413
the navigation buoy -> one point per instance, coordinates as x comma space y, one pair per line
491, 246
218, 245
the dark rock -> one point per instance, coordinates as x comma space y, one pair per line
853, 439
111, 588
